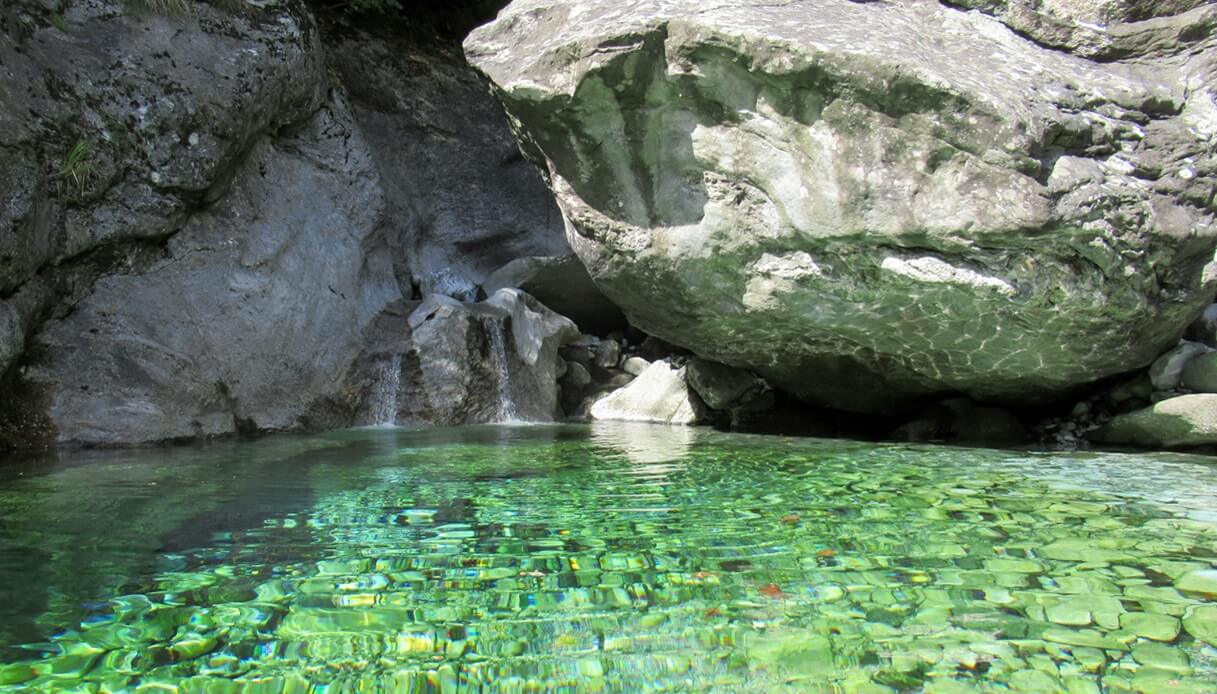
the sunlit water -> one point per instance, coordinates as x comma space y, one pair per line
606, 559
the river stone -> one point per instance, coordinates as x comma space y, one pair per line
635, 365
607, 354
1186, 420
1167, 370
1201, 622
873, 202
1200, 374
1202, 583
1159, 627
658, 394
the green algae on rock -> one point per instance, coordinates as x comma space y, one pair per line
871, 203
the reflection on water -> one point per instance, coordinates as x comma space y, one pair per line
615, 558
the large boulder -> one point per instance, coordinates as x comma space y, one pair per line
871, 203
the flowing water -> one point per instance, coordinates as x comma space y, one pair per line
383, 403
605, 559
498, 360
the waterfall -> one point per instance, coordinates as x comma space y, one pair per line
382, 403
498, 361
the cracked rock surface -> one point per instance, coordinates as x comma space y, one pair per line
872, 203
208, 217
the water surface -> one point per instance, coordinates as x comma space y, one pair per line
612, 558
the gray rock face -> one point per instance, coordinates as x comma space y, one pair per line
658, 395
491, 361
561, 283
196, 240
722, 387
245, 318
1187, 420
871, 203
462, 201
114, 124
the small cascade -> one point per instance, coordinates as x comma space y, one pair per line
498, 361
382, 403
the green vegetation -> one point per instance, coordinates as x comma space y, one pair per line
78, 171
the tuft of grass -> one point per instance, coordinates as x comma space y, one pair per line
78, 171
58, 22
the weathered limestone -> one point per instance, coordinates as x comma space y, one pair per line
871, 204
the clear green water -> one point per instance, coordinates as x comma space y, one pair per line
615, 558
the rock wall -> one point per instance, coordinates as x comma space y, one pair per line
873, 204
462, 201
209, 217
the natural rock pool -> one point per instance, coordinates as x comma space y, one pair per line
606, 558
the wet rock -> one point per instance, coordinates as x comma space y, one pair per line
494, 360
1167, 370
1031, 260
1200, 373
659, 394
1186, 420
1202, 583
1159, 627
562, 284
1201, 622
573, 385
